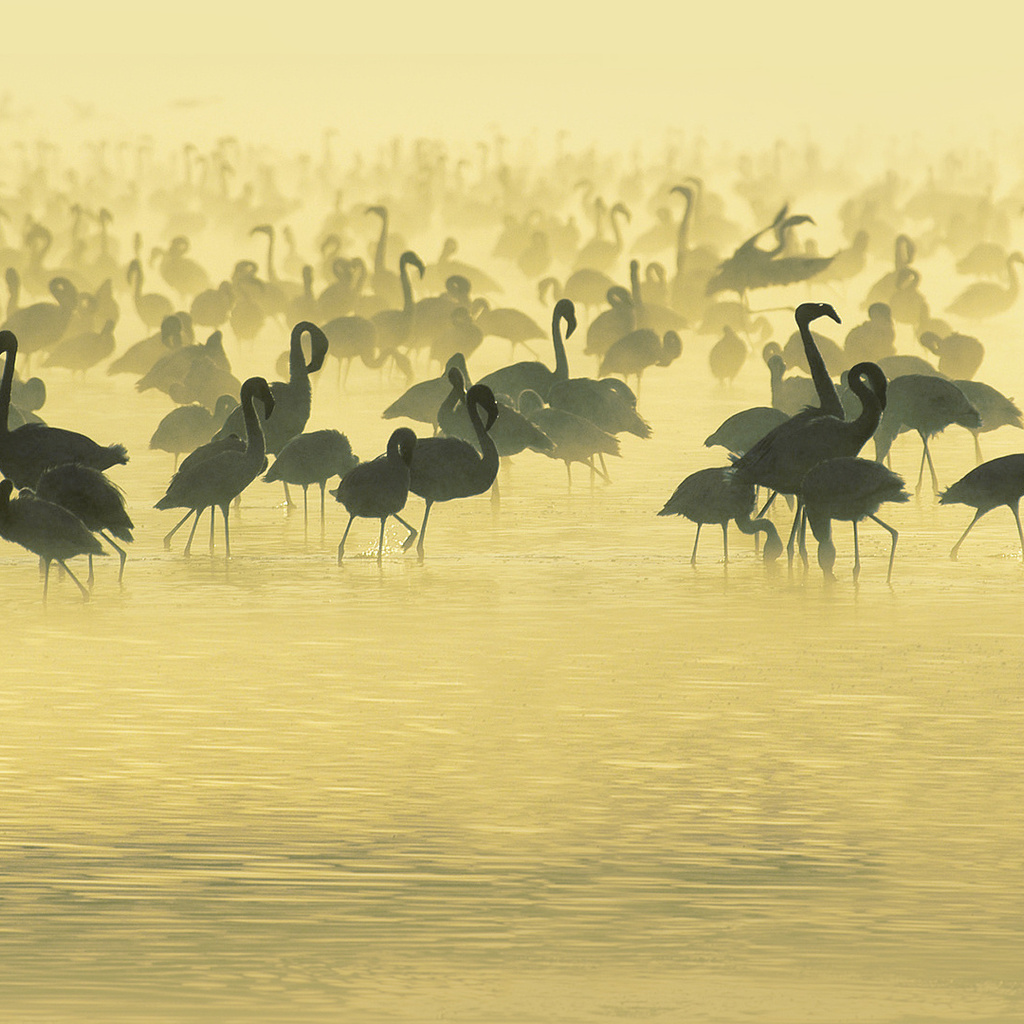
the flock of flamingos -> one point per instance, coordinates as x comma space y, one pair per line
648, 258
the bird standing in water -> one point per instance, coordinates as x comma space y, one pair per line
993, 483
47, 530
378, 489
849, 489
226, 470
444, 468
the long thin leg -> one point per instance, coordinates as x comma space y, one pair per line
423, 529
798, 522
856, 551
826, 551
178, 525
693, 556
323, 520
920, 472
287, 496
46, 577
892, 551
931, 468
213, 523
767, 505
978, 457
963, 536
305, 512
195, 523
1015, 509
802, 517
117, 547
91, 577
725, 542
85, 593
344, 537
227, 540
380, 542
407, 543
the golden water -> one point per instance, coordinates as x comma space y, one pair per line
551, 774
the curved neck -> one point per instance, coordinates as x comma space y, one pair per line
828, 397
871, 409
6, 384
489, 452
1014, 284
255, 444
616, 230
634, 283
447, 407
561, 359
296, 359
271, 273
382, 241
776, 367
406, 287
682, 238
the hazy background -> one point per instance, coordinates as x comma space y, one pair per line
744, 72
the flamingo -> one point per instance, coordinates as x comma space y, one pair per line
94, 499
223, 470
716, 496
47, 530
993, 483
378, 489
30, 449
445, 468
849, 489
312, 458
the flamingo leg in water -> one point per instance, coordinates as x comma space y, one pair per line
725, 542
407, 543
323, 521
767, 505
213, 522
856, 551
931, 468
85, 593
227, 541
423, 530
696, 541
963, 536
380, 543
46, 576
117, 547
195, 523
344, 537
178, 525
801, 514
892, 551
1015, 509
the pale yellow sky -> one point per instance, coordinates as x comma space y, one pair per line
740, 71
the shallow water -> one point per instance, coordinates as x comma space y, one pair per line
551, 774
